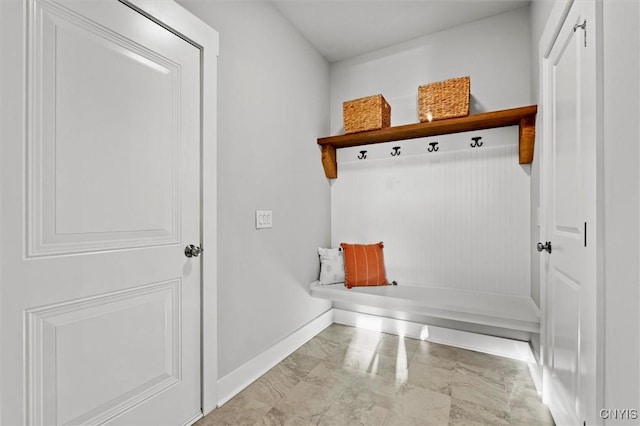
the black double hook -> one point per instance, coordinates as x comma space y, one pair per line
476, 142
396, 151
363, 155
433, 146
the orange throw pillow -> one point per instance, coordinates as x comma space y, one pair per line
364, 265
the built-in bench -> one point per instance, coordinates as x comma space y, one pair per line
517, 313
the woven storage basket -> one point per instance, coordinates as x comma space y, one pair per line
370, 113
444, 99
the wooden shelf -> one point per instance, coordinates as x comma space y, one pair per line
525, 117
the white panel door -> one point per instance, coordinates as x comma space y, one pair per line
570, 206
101, 307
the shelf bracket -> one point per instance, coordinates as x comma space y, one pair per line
527, 139
329, 161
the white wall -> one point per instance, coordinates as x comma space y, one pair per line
456, 219
621, 51
494, 51
273, 104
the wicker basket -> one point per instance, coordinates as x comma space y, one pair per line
370, 113
444, 99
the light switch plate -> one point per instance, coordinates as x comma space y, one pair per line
264, 219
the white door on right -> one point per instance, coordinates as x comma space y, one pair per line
569, 261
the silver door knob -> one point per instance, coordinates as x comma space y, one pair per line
192, 251
546, 246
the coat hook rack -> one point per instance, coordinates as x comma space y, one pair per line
396, 151
363, 155
523, 117
476, 142
433, 146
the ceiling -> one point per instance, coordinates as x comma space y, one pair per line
341, 29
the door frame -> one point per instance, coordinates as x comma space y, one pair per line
13, 81
547, 40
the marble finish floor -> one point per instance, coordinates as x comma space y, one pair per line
352, 376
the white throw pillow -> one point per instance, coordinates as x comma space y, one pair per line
331, 266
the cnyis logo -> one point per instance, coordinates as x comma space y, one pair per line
619, 414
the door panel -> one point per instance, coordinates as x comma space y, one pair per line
566, 151
566, 275
104, 314
86, 194
570, 204
566, 335
70, 342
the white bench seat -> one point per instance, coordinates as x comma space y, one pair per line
496, 310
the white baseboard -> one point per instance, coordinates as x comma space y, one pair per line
463, 339
231, 384
194, 419
536, 374
234, 382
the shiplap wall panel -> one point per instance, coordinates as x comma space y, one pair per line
456, 218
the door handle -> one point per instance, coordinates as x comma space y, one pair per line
546, 246
192, 251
